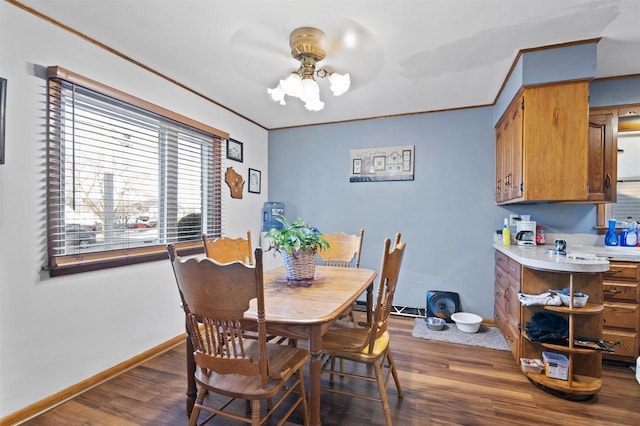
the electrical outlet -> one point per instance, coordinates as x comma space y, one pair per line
514, 219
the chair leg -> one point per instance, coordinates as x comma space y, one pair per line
195, 412
382, 389
392, 367
333, 367
303, 395
255, 412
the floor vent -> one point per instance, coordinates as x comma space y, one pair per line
404, 311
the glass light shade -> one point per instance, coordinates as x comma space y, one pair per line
314, 105
310, 90
292, 86
339, 83
277, 94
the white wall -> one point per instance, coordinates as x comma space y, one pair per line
56, 332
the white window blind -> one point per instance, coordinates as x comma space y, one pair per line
124, 180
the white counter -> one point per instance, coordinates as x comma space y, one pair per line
538, 257
627, 254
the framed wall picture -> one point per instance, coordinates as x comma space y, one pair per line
3, 105
235, 150
379, 164
255, 181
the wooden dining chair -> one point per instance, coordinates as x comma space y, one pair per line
225, 249
215, 298
343, 248
369, 345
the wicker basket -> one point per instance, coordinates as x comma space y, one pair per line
300, 265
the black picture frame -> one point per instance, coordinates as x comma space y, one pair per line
235, 150
3, 107
255, 181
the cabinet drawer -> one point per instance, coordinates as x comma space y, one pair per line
502, 260
627, 271
502, 276
620, 291
620, 315
514, 269
625, 343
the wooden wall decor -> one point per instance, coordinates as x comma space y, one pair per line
235, 182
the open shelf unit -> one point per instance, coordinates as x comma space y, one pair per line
584, 363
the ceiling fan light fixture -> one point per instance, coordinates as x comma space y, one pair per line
308, 46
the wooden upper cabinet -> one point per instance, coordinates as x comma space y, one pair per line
545, 144
603, 156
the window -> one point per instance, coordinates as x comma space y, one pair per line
627, 206
125, 178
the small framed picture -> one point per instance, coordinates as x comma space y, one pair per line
255, 180
357, 166
234, 150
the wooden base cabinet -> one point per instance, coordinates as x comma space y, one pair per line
585, 364
506, 309
621, 288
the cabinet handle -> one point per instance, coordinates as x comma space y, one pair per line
612, 291
607, 181
612, 342
615, 271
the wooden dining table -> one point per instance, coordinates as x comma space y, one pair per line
302, 310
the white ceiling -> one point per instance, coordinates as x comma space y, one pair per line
413, 56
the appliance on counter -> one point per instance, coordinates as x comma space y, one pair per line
526, 233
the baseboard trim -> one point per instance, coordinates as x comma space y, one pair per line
65, 395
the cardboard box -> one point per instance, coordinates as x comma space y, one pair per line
556, 366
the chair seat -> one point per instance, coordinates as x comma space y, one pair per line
285, 360
352, 343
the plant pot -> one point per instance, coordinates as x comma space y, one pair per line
299, 265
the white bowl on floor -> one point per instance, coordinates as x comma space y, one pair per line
467, 322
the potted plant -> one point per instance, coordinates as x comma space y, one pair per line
298, 244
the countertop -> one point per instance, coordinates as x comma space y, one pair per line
538, 257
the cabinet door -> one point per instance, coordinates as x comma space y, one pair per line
499, 304
602, 157
555, 134
500, 141
515, 182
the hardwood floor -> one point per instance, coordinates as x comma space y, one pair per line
443, 383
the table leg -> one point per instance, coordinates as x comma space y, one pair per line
191, 381
315, 373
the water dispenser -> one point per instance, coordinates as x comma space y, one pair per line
270, 212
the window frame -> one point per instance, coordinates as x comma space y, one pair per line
82, 262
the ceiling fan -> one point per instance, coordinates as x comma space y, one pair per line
308, 45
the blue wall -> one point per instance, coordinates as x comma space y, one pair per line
621, 91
